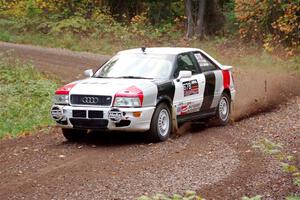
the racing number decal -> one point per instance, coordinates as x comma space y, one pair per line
190, 87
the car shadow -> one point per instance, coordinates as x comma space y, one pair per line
118, 138
112, 138
197, 127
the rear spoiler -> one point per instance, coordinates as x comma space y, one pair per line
226, 67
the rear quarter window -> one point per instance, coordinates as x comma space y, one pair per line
204, 64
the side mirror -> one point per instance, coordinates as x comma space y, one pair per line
184, 74
88, 73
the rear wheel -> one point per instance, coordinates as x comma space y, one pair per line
74, 134
223, 110
161, 124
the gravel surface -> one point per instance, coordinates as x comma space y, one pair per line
217, 162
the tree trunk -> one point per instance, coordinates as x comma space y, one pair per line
200, 26
189, 14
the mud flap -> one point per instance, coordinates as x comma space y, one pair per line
174, 121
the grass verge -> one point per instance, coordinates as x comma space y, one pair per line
228, 51
25, 98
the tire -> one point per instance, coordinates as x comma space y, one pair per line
161, 124
74, 134
223, 110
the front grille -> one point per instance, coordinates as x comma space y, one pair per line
79, 113
95, 114
91, 100
89, 123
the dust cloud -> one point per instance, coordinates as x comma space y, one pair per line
260, 91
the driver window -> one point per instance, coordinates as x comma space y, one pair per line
184, 62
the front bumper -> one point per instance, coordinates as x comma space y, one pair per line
130, 120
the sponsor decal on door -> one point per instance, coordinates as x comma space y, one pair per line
190, 87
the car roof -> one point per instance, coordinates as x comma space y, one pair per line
170, 51
160, 50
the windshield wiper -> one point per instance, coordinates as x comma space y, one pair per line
137, 77
102, 77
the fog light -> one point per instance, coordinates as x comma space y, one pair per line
137, 114
57, 113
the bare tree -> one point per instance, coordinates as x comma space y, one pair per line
200, 26
207, 16
190, 22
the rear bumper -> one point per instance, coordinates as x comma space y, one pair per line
128, 121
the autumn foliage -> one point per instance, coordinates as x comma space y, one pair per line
272, 22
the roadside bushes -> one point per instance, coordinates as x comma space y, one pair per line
59, 19
271, 22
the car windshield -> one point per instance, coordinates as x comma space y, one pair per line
137, 66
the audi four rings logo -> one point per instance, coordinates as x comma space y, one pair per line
90, 100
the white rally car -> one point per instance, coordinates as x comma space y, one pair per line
147, 90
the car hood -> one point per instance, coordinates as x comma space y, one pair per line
109, 86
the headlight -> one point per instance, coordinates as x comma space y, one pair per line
127, 102
61, 99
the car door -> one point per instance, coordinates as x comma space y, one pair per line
188, 95
213, 82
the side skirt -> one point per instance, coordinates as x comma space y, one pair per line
196, 115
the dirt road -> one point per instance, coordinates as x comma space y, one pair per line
217, 162
65, 64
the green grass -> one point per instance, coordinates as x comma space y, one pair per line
104, 45
5, 36
25, 98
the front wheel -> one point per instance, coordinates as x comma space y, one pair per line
74, 134
161, 124
223, 110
